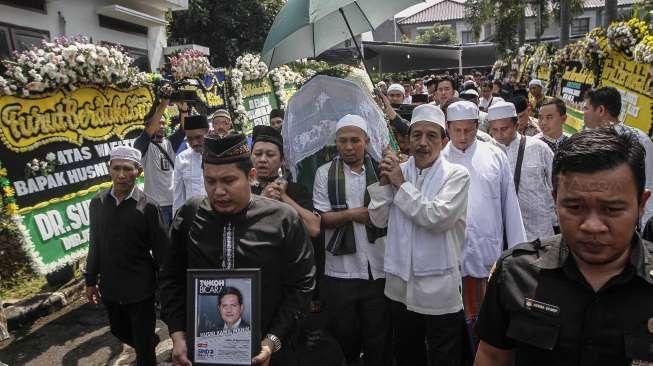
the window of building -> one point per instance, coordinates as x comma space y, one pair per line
14, 38
580, 26
121, 25
468, 37
487, 30
37, 5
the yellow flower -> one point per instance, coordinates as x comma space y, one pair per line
11, 208
3, 172
9, 191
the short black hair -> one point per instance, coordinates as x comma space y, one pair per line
559, 103
498, 83
520, 102
441, 78
229, 290
487, 84
245, 165
606, 96
600, 149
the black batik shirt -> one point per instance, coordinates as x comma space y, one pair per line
540, 305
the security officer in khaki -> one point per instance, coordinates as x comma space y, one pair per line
584, 297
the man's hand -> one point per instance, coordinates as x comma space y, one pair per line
179, 350
272, 192
387, 107
263, 358
391, 169
280, 186
93, 294
360, 215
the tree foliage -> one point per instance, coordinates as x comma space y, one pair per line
438, 34
229, 28
507, 14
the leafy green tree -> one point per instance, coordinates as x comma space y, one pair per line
438, 34
229, 28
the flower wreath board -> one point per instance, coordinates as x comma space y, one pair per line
55, 148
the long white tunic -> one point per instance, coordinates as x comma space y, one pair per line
188, 178
535, 187
492, 206
426, 228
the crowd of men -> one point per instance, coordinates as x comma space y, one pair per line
442, 253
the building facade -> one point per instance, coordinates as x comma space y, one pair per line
137, 25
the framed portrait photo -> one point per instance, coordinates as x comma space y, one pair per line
223, 316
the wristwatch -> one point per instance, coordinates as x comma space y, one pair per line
276, 342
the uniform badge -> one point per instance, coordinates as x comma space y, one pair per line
534, 305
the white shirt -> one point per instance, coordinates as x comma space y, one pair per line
188, 178
350, 265
486, 103
535, 187
428, 220
492, 206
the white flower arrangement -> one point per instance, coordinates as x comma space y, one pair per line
189, 64
251, 66
282, 76
643, 52
236, 98
41, 167
624, 36
68, 63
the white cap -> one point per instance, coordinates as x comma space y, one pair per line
470, 92
462, 110
396, 88
126, 153
501, 110
354, 121
535, 82
428, 113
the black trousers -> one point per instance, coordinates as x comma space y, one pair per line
133, 324
433, 340
359, 318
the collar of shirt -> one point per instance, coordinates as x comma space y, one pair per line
133, 195
235, 326
558, 256
515, 141
552, 140
349, 171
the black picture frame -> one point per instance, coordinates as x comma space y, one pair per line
206, 337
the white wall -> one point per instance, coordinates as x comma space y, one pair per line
81, 17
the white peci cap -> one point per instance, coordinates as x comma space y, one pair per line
501, 110
429, 113
126, 153
352, 120
396, 88
462, 110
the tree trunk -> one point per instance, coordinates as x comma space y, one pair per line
610, 12
522, 26
564, 22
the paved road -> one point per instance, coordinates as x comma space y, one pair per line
79, 335
76, 335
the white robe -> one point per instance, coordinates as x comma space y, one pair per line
492, 206
187, 178
535, 187
426, 224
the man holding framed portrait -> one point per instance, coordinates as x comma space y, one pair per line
230, 234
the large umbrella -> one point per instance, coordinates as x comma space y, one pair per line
306, 28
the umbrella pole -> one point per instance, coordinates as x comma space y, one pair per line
360, 52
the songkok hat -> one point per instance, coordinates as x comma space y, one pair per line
396, 88
469, 92
220, 113
462, 110
196, 122
126, 153
277, 113
226, 150
428, 113
262, 133
501, 110
354, 121
535, 82
420, 98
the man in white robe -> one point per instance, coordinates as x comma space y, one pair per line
534, 171
187, 178
494, 220
427, 201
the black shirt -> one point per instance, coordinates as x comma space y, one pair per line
121, 238
294, 190
539, 304
268, 235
